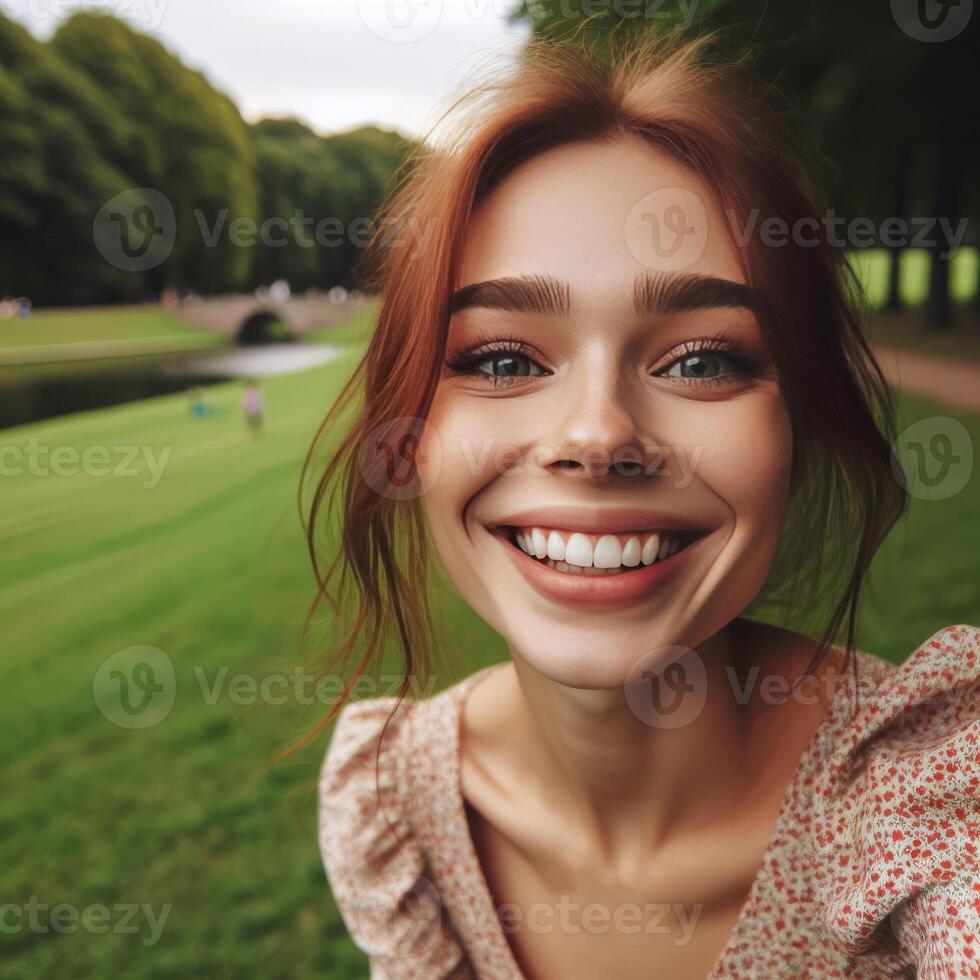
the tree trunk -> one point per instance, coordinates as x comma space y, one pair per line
894, 299
940, 308
949, 178
976, 296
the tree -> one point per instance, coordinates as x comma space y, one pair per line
895, 128
54, 131
183, 138
102, 111
334, 184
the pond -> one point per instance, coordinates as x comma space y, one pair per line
61, 389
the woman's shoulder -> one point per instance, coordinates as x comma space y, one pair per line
389, 730
374, 744
933, 695
897, 821
381, 750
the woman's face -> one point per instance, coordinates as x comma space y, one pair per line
613, 449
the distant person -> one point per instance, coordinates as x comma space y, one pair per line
199, 407
24, 307
253, 406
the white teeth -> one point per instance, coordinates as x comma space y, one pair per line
649, 554
608, 553
578, 551
632, 553
539, 543
556, 546
605, 554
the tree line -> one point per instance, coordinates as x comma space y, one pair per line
101, 110
888, 117
885, 95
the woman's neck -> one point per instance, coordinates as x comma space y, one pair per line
628, 779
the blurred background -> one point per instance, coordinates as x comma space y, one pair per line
185, 191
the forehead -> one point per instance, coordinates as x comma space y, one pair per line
598, 215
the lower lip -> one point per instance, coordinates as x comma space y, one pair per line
594, 591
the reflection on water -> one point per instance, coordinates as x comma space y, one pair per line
257, 362
61, 390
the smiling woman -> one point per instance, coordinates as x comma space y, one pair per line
620, 421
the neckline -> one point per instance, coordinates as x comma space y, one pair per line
473, 869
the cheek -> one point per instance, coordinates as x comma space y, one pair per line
457, 456
741, 451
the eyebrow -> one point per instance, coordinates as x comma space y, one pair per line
661, 294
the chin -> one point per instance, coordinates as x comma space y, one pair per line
593, 651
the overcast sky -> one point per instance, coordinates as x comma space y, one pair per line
333, 63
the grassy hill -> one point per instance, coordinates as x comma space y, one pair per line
199, 554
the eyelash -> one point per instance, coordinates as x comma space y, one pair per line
465, 360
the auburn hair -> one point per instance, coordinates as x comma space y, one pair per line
706, 110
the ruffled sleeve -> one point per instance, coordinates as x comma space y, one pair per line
375, 868
901, 822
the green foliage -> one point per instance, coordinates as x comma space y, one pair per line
181, 138
102, 109
880, 114
335, 183
593, 21
56, 141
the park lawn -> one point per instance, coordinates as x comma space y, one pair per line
355, 329
142, 325
872, 266
208, 565
77, 326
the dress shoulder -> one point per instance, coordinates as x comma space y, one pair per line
373, 862
898, 825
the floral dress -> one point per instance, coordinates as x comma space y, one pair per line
872, 871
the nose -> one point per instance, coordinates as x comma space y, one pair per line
597, 434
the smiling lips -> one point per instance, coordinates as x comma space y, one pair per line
599, 559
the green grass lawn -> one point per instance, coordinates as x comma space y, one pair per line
355, 329
906, 329
139, 323
873, 264
209, 566
75, 326
206, 562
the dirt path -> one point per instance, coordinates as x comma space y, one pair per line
951, 383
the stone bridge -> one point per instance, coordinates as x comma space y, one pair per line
251, 320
